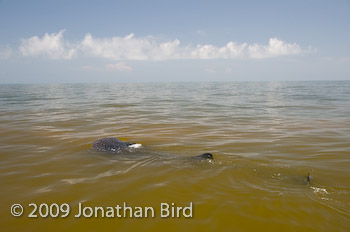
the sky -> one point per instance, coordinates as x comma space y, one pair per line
170, 41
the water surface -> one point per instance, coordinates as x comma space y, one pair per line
266, 137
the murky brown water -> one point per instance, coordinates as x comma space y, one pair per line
266, 138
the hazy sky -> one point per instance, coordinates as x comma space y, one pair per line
129, 41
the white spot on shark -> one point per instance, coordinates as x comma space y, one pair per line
136, 145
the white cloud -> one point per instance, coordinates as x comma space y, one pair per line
51, 45
276, 47
129, 48
149, 48
120, 66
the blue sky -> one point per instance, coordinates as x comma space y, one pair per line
133, 41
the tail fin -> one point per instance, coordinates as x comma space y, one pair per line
308, 178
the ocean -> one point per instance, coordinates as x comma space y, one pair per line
281, 156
